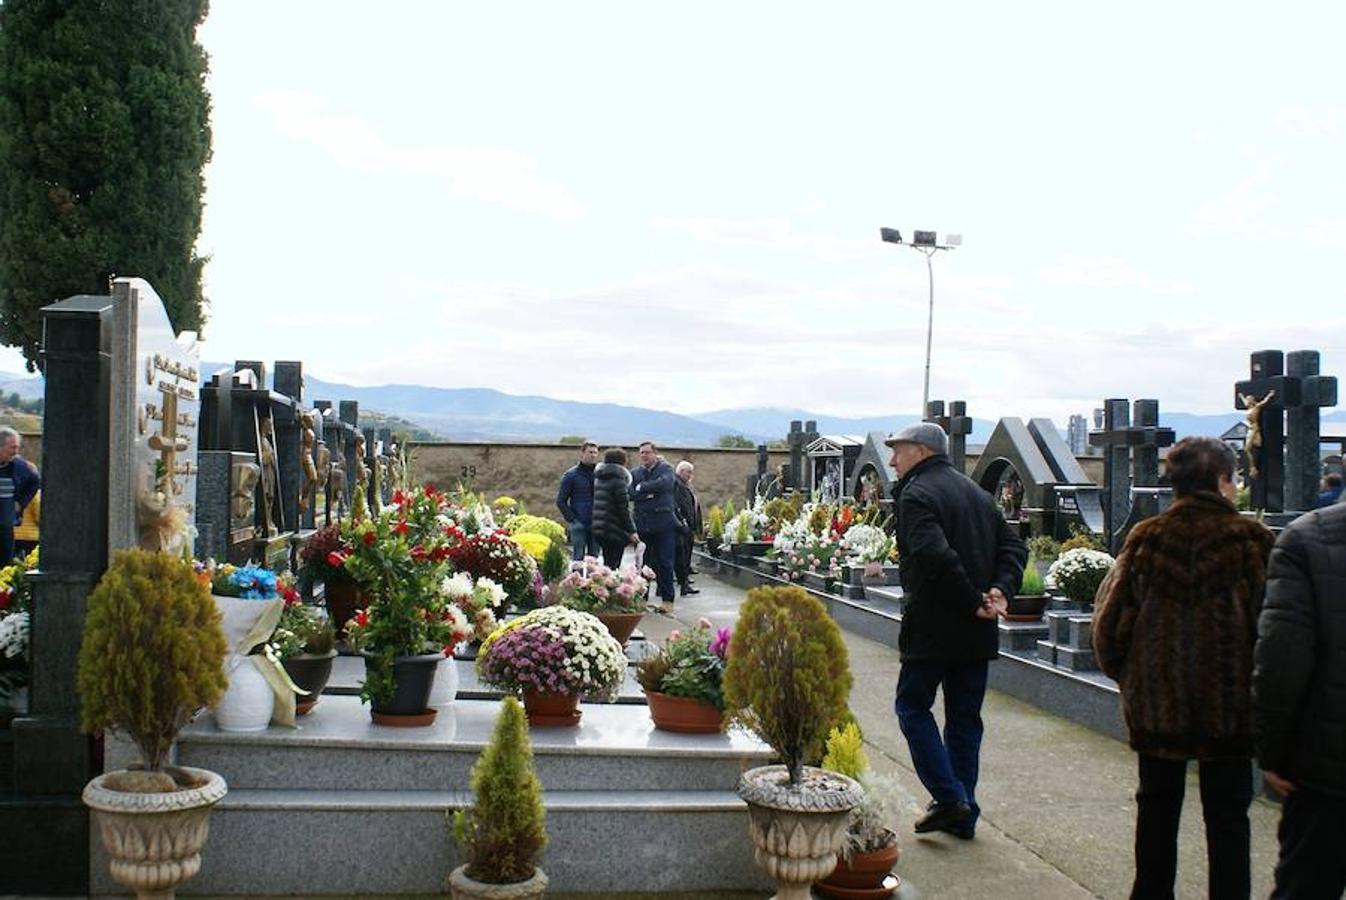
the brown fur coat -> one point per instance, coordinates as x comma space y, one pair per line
1175, 624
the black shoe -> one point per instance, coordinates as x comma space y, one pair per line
963, 832
943, 816
688, 589
694, 571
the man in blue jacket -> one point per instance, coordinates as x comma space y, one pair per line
652, 497
19, 481
575, 500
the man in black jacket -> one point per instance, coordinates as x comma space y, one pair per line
688, 510
1299, 715
960, 564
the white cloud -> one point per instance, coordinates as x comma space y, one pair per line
1234, 209
767, 233
1108, 272
1311, 122
503, 177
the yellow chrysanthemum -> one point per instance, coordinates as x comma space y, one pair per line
535, 545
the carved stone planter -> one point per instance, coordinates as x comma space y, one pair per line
463, 888
797, 830
154, 839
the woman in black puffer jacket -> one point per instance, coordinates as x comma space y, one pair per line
612, 524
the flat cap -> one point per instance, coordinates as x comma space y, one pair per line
927, 434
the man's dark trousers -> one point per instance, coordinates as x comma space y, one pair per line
659, 548
947, 767
1312, 835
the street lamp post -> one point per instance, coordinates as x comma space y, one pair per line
927, 243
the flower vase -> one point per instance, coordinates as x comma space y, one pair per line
248, 701
551, 710
309, 672
445, 688
342, 598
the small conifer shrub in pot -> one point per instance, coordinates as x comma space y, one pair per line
152, 655
787, 680
504, 830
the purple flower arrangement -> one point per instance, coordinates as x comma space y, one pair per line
553, 650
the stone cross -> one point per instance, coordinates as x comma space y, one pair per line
1303, 463
796, 441
1119, 439
956, 425
1268, 391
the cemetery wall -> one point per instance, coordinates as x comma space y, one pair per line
30, 447
530, 473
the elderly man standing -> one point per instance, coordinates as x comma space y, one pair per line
960, 564
652, 497
19, 482
575, 500
688, 509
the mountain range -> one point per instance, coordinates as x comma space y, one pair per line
483, 414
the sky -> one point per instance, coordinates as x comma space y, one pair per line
678, 205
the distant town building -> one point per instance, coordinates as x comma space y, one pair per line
1077, 435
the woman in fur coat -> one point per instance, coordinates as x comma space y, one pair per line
1175, 625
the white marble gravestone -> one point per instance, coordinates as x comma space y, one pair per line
155, 409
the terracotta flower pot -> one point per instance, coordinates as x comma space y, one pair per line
551, 710
867, 876
683, 715
343, 598
310, 672
620, 625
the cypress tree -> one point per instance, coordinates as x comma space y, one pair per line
104, 131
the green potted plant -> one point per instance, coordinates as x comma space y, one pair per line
714, 530
867, 857
304, 643
1027, 605
16, 597
684, 680
504, 830
151, 656
787, 680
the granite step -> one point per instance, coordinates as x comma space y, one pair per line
337, 747
340, 801
287, 842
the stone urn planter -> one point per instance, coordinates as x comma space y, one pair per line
621, 625
796, 830
463, 888
154, 838
867, 876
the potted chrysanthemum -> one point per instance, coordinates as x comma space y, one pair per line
552, 656
480, 601
615, 596
1080, 572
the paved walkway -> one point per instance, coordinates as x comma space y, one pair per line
1057, 808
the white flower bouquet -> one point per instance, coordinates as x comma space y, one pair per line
1079, 572
553, 650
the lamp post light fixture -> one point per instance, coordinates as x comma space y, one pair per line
927, 243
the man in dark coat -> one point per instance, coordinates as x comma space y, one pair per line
960, 564
1299, 715
575, 500
652, 487
688, 510
19, 483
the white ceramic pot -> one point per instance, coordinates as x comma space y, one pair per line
446, 683
248, 702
